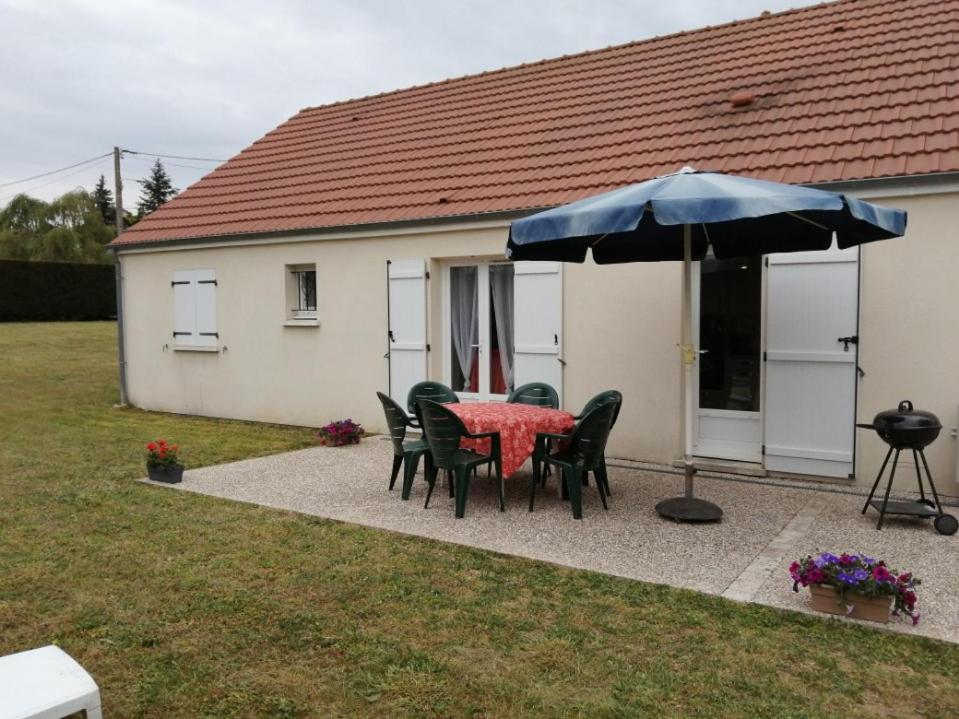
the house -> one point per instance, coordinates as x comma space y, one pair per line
360, 246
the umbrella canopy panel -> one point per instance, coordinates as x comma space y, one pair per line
737, 216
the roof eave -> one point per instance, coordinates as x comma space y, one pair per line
932, 183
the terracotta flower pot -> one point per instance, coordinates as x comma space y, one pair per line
873, 609
170, 475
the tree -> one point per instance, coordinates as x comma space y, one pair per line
157, 189
68, 229
103, 199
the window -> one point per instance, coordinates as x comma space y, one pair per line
301, 292
194, 308
481, 329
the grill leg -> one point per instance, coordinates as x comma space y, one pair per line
885, 499
935, 494
915, 459
876, 483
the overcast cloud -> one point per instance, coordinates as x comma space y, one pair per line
206, 79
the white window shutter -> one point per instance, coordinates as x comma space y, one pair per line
538, 324
206, 331
407, 325
184, 308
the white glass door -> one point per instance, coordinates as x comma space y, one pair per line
727, 309
478, 354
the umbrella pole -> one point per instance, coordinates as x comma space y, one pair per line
687, 508
688, 359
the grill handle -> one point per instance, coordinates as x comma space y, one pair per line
905, 406
865, 426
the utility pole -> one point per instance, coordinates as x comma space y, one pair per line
118, 189
118, 272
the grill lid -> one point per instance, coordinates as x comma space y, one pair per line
906, 426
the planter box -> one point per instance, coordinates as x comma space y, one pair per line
170, 475
873, 609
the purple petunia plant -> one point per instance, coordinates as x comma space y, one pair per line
340, 432
847, 573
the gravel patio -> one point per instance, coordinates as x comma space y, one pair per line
744, 558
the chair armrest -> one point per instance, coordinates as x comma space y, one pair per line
483, 435
551, 435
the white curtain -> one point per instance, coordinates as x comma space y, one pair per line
465, 312
501, 287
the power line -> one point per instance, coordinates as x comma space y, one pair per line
173, 157
54, 172
55, 179
174, 164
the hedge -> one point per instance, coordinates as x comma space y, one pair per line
47, 291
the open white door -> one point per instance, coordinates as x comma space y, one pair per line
812, 303
538, 324
407, 325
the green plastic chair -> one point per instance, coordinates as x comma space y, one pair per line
579, 452
610, 395
405, 454
444, 430
433, 391
538, 394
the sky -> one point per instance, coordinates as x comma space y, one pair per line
204, 79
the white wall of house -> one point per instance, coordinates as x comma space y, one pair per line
621, 330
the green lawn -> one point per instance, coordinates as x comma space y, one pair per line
184, 605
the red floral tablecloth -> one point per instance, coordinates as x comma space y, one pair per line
517, 425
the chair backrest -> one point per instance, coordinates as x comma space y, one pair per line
433, 391
587, 442
539, 394
443, 431
610, 395
396, 420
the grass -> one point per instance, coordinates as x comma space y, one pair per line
185, 605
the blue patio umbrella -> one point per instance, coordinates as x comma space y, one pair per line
679, 217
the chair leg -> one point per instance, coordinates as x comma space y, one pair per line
602, 479
449, 483
397, 461
462, 490
533, 481
601, 488
501, 487
409, 473
574, 481
431, 476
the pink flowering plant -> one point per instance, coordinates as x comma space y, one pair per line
339, 433
857, 573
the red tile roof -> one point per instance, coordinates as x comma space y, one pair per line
842, 91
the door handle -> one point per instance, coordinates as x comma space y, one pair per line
846, 341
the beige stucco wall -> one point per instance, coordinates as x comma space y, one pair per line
621, 327
909, 332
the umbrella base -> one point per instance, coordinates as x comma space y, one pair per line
689, 509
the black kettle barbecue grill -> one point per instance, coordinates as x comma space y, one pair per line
906, 428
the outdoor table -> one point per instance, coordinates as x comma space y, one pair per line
517, 425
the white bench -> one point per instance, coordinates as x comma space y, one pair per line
46, 683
